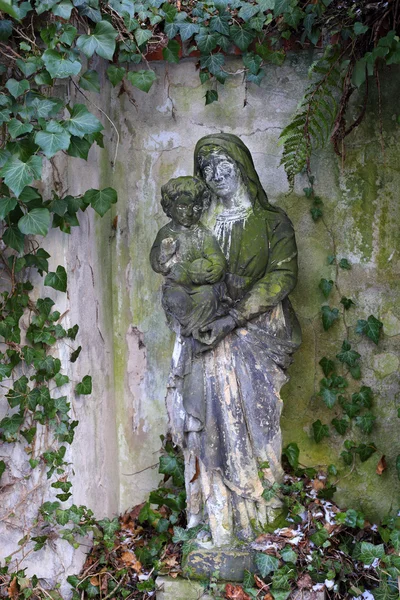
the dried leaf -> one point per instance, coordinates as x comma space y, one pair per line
235, 592
260, 583
305, 582
381, 466
94, 580
13, 589
318, 484
129, 559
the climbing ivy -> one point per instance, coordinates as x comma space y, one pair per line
44, 41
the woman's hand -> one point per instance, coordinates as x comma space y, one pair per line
216, 331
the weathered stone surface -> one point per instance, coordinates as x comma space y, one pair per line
227, 564
186, 589
308, 595
180, 589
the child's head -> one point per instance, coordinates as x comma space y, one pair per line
184, 199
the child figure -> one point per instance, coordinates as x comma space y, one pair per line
189, 256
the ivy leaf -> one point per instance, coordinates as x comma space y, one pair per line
327, 366
101, 41
115, 74
328, 396
143, 80
350, 409
341, 425
35, 222
5, 29
386, 591
69, 34
90, 81
82, 122
326, 286
17, 88
109, 527
180, 535
142, 36
75, 354
211, 96
359, 28
10, 425
319, 537
187, 30
85, 386
241, 37
53, 139
220, 23
100, 200
292, 453
63, 9
344, 264
79, 148
395, 539
247, 11
369, 552
329, 316
252, 62
2, 467
17, 128
18, 174
320, 431
171, 51
365, 422
347, 302
13, 238
173, 466
365, 451
6, 206
371, 328
61, 65
213, 62
61, 379
398, 466
363, 397
265, 563
57, 280
288, 555
348, 356
206, 41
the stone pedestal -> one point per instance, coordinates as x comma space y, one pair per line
226, 564
185, 589
180, 589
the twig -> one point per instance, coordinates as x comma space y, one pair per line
137, 472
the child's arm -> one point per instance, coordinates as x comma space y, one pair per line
213, 253
162, 251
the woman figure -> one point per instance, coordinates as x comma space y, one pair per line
223, 399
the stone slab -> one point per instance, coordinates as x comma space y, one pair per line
226, 564
186, 589
180, 589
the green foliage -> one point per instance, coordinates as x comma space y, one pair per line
329, 316
319, 431
371, 328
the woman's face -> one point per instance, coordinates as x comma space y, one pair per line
221, 175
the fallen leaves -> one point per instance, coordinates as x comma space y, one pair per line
236, 592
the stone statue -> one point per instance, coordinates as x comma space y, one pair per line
236, 332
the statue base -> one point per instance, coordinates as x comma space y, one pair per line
185, 589
226, 563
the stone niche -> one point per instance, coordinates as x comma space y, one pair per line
126, 343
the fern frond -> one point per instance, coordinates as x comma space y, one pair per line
313, 122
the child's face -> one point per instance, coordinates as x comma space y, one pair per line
186, 210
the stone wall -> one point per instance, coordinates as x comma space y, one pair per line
115, 296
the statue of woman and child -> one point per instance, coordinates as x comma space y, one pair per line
229, 259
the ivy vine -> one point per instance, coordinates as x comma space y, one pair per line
44, 41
